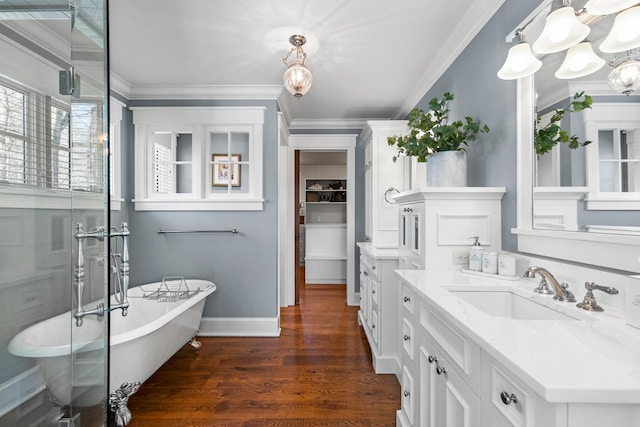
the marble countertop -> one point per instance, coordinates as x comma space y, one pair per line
593, 359
379, 253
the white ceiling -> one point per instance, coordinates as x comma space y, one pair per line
371, 59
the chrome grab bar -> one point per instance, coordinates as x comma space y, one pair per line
163, 231
99, 234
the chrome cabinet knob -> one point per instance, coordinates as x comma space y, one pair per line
406, 393
507, 398
407, 299
407, 337
440, 370
373, 267
432, 359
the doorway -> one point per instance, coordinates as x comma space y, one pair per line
312, 145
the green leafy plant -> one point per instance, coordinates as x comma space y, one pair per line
549, 135
430, 133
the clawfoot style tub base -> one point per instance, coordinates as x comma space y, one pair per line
118, 402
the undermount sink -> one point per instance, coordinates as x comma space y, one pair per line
504, 303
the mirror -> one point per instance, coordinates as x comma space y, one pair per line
596, 187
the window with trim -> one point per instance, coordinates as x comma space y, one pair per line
198, 158
35, 143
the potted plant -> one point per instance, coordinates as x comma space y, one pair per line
443, 145
548, 136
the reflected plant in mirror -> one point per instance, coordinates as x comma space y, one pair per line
551, 134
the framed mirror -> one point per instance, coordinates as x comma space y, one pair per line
574, 203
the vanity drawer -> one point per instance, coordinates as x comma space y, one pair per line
408, 338
508, 400
408, 299
462, 352
408, 388
375, 290
375, 328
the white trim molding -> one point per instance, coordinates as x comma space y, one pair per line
19, 389
240, 327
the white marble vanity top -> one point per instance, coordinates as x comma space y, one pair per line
595, 359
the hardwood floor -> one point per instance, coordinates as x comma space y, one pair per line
317, 373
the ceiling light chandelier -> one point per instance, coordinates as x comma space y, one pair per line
520, 60
297, 77
562, 30
625, 77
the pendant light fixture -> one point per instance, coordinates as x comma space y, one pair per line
562, 30
625, 77
520, 61
297, 77
607, 7
625, 32
579, 61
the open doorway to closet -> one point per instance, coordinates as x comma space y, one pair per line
322, 233
334, 182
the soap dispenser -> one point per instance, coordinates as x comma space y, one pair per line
475, 255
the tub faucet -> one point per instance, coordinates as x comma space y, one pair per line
560, 290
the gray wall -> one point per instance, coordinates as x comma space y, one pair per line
243, 266
479, 93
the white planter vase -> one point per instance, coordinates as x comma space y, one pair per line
447, 169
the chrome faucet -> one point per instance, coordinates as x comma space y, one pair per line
560, 290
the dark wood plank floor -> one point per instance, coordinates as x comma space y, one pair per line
317, 373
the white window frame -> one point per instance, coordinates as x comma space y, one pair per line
115, 154
200, 122
608, 116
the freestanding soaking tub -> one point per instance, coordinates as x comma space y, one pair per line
157, 325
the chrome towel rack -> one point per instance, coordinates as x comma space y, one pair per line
163, 231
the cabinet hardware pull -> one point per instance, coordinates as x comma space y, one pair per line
407, 337
406, 393
373, 291
373, 267
440, 370
508, 398
407, 299
432, 359
365, 273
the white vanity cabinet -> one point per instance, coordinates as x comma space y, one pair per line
435, 223
378, 312
384, 178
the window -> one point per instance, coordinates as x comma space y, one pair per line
36, 151
613, 157
198, 158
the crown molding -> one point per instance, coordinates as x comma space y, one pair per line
326, 124
475, 18
205, 92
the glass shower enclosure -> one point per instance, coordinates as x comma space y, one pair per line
54, 190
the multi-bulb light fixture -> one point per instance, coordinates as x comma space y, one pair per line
564, 31
297, 77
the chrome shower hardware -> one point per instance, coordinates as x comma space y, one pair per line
589, 302
79, 273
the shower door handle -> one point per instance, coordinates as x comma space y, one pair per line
78, 274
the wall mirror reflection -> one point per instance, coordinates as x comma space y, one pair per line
590, 181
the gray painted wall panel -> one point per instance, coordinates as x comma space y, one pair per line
243, 266
479, 93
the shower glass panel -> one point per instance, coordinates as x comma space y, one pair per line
53, 176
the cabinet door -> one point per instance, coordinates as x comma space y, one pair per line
411, 236
445, 399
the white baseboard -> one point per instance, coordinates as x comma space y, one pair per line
19, 389
240, 327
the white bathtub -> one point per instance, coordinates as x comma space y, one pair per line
140, 343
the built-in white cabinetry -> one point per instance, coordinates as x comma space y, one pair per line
384, 178
378, 312
325, 231
437, 223
455, 378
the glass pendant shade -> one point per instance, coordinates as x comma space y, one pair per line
520, 62
625, 32
625, 77
607, 7
579, 61
561, 31
298, 79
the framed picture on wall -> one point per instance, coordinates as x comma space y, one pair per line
225, 169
